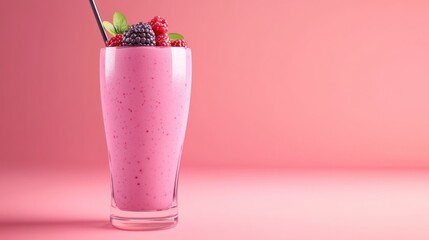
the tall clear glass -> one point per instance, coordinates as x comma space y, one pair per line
145, 93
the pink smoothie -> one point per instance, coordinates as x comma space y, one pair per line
145, 94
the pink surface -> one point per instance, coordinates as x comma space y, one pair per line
145, 96
224, 204
277, 83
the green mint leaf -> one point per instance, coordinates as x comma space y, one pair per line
120, 22
109, 27
175, 36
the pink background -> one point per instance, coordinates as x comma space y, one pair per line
290, 99
276, 83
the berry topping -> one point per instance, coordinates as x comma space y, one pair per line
153, 33
163, 40
115, 41
159, 25
140, 34
179, 43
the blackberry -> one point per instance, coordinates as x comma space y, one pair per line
140, 34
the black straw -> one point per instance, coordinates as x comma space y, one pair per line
98, 19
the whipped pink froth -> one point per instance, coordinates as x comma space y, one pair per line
145, 95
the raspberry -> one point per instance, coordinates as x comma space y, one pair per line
115, 41
159, 25
140, 34
163, 40
179, 43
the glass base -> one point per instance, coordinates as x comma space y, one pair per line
144, 221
